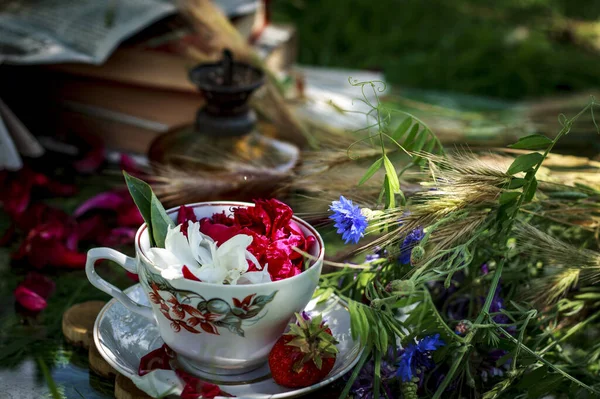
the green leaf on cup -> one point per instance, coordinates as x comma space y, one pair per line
160, 221
152, 210
141, 192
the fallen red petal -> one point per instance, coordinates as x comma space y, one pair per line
107, 200
29, 299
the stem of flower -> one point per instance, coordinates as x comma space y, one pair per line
498, 272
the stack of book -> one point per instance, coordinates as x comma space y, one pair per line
142, 91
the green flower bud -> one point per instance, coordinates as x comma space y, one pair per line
417, 254
400, 286
463, 327
377, 303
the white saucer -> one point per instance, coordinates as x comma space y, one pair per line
123, 338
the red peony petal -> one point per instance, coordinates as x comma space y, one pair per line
218, 232
107, 200
279, 213
186, 214
274, 235
29, 299
188, 274
222, 218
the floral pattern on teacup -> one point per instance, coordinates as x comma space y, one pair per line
192, 312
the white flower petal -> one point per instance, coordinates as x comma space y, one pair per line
163, 258
262, 276
204, 252
235, 242
178, 244
211, 274
172, 273
253, 259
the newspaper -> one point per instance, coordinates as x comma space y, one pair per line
53, 31
87, 31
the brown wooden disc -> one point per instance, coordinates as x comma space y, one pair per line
78, 322
98, 365
126, 389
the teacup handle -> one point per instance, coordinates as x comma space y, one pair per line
126, 262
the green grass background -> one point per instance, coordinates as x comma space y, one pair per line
512, 49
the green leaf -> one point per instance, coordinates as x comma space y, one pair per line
516, 182
325, 295
377, 375
411, 136
532, 142
530, 193
402, 129
160, 221
141, 193
364, 325
318, 362
391, 174
420, 142
508, 196
568, 195
389, 193
357, 368
383, 335
371, 171
354, 322
525, 162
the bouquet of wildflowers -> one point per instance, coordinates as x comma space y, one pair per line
480, 281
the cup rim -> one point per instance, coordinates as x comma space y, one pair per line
140, 252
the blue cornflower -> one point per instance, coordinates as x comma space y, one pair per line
412, 239
349, 221
416, 358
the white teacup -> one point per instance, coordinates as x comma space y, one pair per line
220, 329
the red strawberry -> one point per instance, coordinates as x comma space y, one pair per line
305, 355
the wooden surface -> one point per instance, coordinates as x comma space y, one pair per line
78, 322
98, 365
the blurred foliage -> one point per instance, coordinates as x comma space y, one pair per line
508, 48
